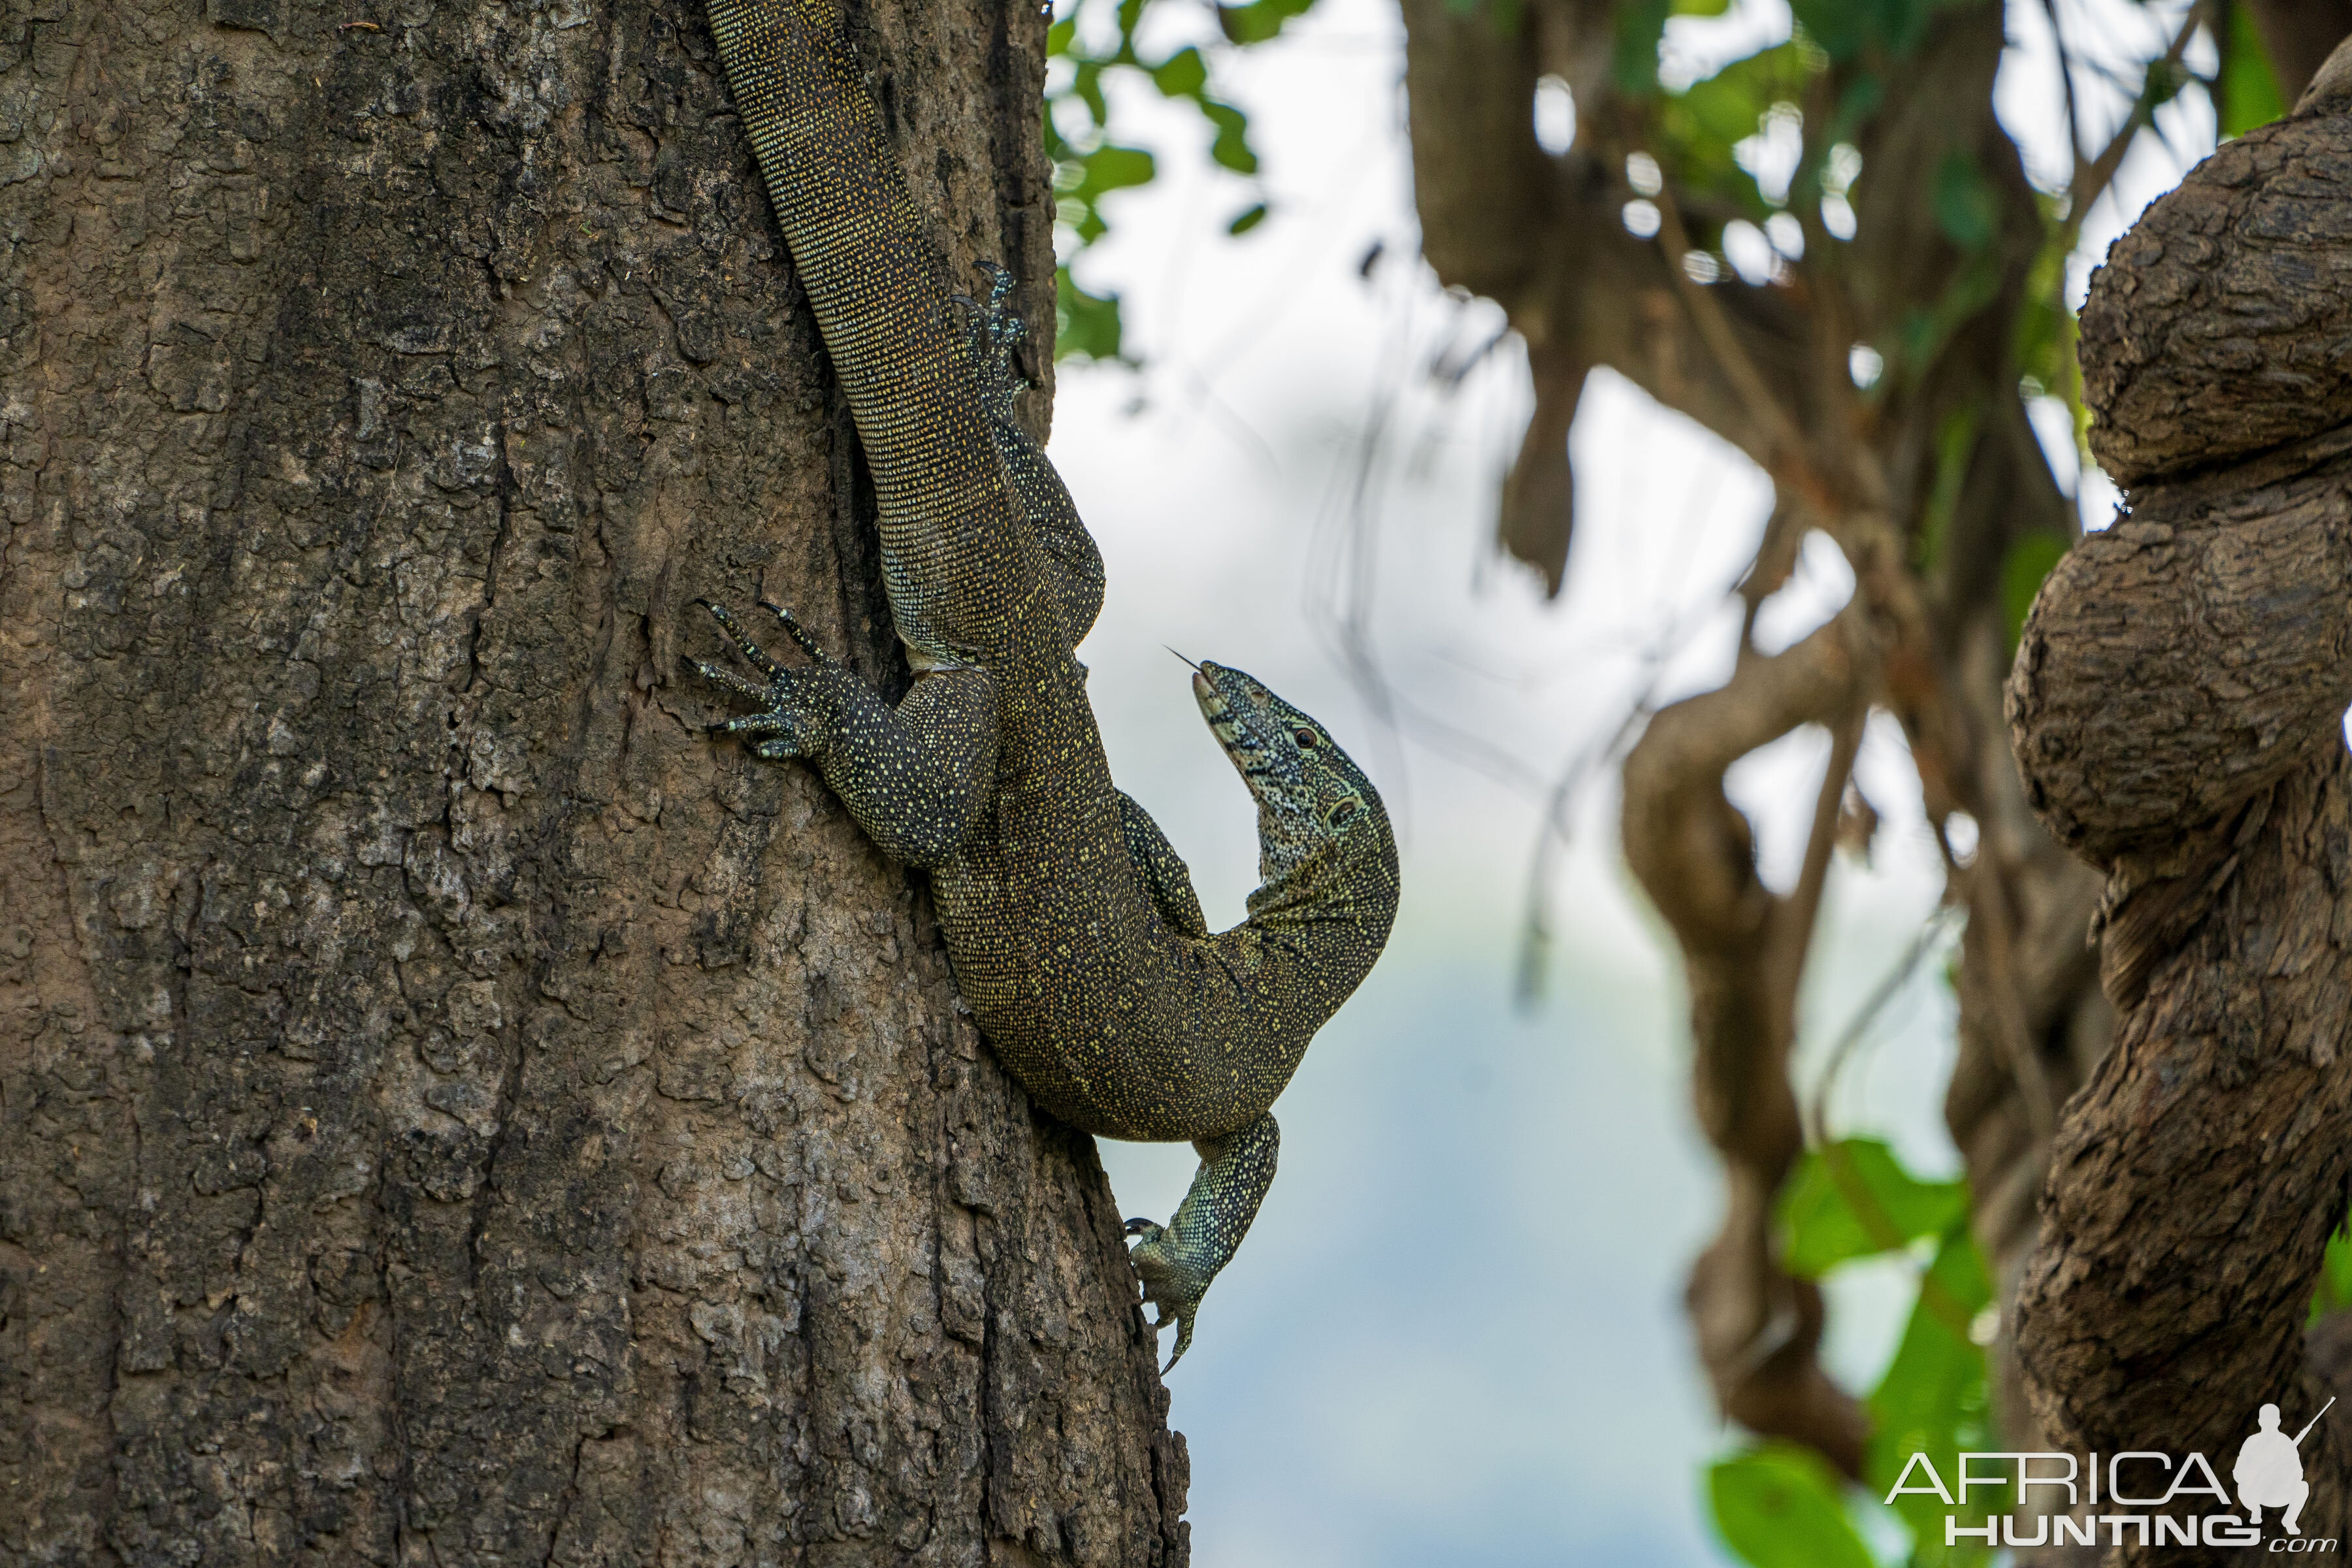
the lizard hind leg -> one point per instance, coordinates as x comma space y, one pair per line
1073, 565
1178, 1259
996, 335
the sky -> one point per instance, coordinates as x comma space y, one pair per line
1454, 1333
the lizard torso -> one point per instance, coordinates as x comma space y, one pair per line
1073, 928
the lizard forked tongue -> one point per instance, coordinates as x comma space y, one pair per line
1308, 790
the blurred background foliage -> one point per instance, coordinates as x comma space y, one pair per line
1750, 179
1090, 163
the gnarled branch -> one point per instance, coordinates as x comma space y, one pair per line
2175, 710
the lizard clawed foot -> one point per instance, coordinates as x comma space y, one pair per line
1172, 1282
1178, 1259
795, 716
996, 334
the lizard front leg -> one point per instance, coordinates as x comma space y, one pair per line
913, 777
1180, 1258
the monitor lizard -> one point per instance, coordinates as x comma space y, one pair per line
1071, 925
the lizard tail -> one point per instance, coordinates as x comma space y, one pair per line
950, 541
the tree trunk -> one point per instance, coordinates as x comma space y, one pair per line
2177, 710
451, 1111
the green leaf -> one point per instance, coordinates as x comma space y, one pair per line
1700, 7
1058, 36
1110, 168
1966, 207
1854, 1199
1232, 148
1728, 106
1256, 23
1247, 221
2246, 92
2023, 565
1780, 1507
1181, 75
1933, 1398
2335, 1292
1634, 59
1086, 326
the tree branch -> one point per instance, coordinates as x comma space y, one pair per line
2090, 182
1743, 949
2175, 708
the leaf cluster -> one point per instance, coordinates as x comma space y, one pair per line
1090, 163
1712, 145
1779, 1506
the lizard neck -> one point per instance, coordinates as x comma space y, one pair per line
1347, 874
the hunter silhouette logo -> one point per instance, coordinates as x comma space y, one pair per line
2140, 1497
2269, 1471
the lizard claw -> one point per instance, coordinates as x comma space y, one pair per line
1172, 1282
798, 633
751, 691
750, 650
792, 720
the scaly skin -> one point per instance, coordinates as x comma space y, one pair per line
1072, 562
1072, 926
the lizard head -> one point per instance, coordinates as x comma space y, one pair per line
1318, 815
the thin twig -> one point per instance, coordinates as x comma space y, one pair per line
2090, 183
1798, 913
1552, 835
1706, 315
1988, 908
2066, 75
1930, 936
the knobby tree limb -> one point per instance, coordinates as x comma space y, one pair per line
2176, 710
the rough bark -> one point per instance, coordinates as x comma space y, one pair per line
449, 1110
1765, 367
2177, 707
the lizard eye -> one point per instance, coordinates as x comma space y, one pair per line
1305, 739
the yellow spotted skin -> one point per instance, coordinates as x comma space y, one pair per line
1072, 926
